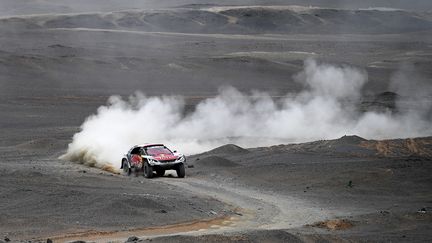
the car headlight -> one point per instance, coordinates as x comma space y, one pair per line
153, 161
181, 159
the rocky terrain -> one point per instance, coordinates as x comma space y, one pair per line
273, 194
60, 61
208, 19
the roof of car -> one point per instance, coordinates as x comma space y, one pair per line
149, 145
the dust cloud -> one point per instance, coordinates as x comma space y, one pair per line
327, 108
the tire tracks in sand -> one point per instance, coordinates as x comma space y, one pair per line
254, 209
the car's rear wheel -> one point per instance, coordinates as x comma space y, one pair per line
148, 170
136, 170
160, 172
181, 171
126, 168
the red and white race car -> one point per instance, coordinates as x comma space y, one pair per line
150, 158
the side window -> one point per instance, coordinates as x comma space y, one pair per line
135, 150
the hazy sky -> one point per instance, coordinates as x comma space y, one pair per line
17, 7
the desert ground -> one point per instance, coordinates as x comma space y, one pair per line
56, 69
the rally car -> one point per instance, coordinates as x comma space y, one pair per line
150, 158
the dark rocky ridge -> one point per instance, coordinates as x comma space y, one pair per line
247, 20
230, 149
356, 146
13, 7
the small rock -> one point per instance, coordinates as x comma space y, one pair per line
190, 166
132, 239
213, 212
78, 241
49, 241
384, 212
350, 184
7, 239
162, 211
422, 210
239, 214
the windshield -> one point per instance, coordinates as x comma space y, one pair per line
153, 151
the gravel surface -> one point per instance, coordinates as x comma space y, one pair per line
55, 71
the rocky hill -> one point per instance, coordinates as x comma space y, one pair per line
357, 146
240, 20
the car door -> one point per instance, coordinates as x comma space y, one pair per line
128, 155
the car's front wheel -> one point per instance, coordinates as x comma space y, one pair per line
181, 171
126, 168
148, 170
